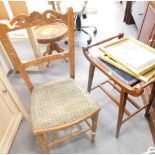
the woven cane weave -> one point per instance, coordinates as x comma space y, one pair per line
58, 103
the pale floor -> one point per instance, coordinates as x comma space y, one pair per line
135, 136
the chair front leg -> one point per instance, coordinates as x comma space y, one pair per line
42, 140
94, 126
90, 78
123, 100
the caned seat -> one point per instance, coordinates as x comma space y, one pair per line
60, 103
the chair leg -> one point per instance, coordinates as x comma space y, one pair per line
95, 29
42, 140
123, 100
91, 75
90, 38
151, 100
94, 127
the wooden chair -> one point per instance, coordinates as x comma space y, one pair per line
124, 83
56, 105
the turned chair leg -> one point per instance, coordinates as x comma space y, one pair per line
123, 100
151, 100
42, 140
91, 75
94, 127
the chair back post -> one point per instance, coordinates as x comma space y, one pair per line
14, 57
35, 19
70, 16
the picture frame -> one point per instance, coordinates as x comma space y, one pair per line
144, 78
135, 56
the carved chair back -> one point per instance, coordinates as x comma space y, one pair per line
37, 19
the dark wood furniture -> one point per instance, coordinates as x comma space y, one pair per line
142, 13
147, 32
135, 12
121, 81
128, 19
147, 36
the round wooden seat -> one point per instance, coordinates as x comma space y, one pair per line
51, 33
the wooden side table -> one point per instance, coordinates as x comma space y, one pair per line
121, 81
51, 34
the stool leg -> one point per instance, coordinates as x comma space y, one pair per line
59, 50
91, 75
48, 49
123, 100
94, 127
151, 100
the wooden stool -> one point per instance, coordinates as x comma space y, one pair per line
50, 34
122, 82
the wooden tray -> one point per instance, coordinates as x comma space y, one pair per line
135, 56
145, 77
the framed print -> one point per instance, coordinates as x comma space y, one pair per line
135, 56
145, 77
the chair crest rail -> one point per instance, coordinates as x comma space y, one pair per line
34, 19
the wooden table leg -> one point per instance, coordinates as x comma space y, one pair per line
91, 75
151, 100
123, 100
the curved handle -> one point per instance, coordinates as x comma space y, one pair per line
145, 85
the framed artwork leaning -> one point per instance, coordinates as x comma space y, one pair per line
145, 77
136, 57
